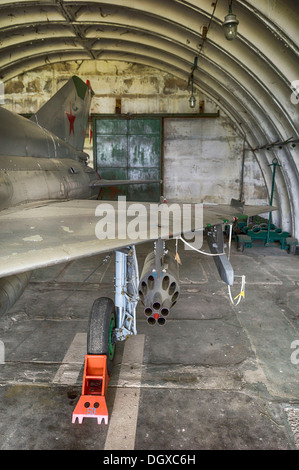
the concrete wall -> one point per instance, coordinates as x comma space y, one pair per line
202, 157
203, 161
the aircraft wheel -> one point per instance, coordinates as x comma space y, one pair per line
102, 323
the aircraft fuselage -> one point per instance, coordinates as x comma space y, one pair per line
36, 165
28, 179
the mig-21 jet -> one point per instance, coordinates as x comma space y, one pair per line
49, 214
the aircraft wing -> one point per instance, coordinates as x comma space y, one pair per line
33, 237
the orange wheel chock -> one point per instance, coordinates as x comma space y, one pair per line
92, 403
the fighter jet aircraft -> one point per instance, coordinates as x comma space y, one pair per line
49, 214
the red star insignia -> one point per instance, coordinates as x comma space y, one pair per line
71, 119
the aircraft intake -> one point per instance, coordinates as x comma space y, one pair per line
159, 287
11, 288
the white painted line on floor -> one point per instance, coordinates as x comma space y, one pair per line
123, 419
73, 361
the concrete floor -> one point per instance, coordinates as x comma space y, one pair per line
214, 377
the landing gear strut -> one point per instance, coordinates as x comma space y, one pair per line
116, 321
126, 292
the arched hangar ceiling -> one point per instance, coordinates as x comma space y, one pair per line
252, 78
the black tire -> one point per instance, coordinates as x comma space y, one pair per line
100, 332
292, 249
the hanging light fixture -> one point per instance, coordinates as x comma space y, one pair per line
230, 24
192, 99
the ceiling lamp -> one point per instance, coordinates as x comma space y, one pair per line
230, 25
192, 99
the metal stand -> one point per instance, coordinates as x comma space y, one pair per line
274, 164
266, 231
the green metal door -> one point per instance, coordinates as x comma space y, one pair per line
129, 149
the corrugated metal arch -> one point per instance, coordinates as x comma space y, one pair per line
250, 78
